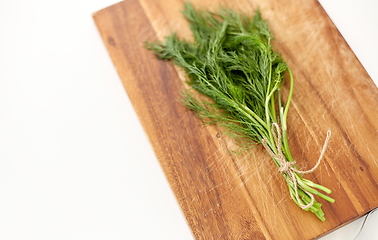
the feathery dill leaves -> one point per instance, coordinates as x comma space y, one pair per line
232, 62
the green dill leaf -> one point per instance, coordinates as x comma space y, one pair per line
233, 64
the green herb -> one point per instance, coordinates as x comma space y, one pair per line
232, 62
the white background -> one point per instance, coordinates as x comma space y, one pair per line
74, 160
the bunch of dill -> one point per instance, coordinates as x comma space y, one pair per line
232, 62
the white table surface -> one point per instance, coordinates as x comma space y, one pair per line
74, 160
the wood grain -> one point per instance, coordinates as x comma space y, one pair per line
226, 196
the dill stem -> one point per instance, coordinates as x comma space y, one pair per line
267, 106
313, 191
272, 109
290, 95
268, 117
269, 95
284, 117
254, 115
314, 185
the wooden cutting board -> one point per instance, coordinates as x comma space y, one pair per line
228, 196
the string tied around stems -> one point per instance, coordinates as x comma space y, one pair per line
288, 167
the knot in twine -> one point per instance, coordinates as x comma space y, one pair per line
288, 167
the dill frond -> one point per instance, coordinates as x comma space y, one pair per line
232, 62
